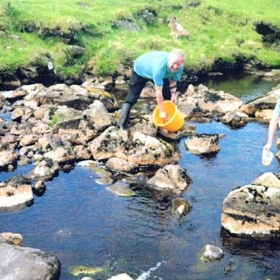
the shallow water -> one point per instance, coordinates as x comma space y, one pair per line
82, 223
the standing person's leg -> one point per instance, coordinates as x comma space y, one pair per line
166, 93
136, 85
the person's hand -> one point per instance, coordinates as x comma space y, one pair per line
267, 147
162, 115
174, 98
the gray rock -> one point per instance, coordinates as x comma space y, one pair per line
22, 263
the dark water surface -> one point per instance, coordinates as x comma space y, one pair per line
82, 223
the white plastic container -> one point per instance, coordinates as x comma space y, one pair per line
267, 157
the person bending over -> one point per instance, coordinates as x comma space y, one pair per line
164, 69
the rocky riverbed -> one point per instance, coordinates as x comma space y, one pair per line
60, 126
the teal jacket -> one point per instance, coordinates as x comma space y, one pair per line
154, 66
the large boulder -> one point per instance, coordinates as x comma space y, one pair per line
253, 209
201, 102
267, 102
138, 148
22, 263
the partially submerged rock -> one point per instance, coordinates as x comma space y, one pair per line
121, 190
171, 178
15, 193
253, 210
86, 270
212, 253
203, 144
180, 206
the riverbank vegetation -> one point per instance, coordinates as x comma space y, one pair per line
113, 32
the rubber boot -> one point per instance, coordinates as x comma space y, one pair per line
124, 115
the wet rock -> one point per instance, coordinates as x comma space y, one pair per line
143, 123
63, 154
262, 103
15, 194
105, 177
85, 270
122, 276
231, 265
111, 142
39, 188
180, 206
46, 170
7, 158
185, 131
171, 178
212, 253
252, 210
198, 101
121, 165
13, 238
235, 119
203, 144
23, 263
121, 190
144, 150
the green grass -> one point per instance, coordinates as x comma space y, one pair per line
218, 30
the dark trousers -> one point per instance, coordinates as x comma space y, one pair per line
137, 83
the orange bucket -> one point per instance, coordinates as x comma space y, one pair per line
175, 117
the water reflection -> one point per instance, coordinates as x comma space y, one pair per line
244, 86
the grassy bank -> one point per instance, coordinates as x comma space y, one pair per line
222, 30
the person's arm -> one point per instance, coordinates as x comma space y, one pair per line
159, 99
271, 132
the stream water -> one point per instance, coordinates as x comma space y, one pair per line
82, 223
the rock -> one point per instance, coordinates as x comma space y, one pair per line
46, 170
171, 178
202, 101
108, 99
39, 188
61, 154
235, 119
145, 150
28, 139
251, 210
86, 270
75, 51
23, 263
7, 157
13, 238
97, 116
212, 253
108, 144
262, 103
203, 144
122, 276
15, 194
121, 190
118, 164
180, 206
